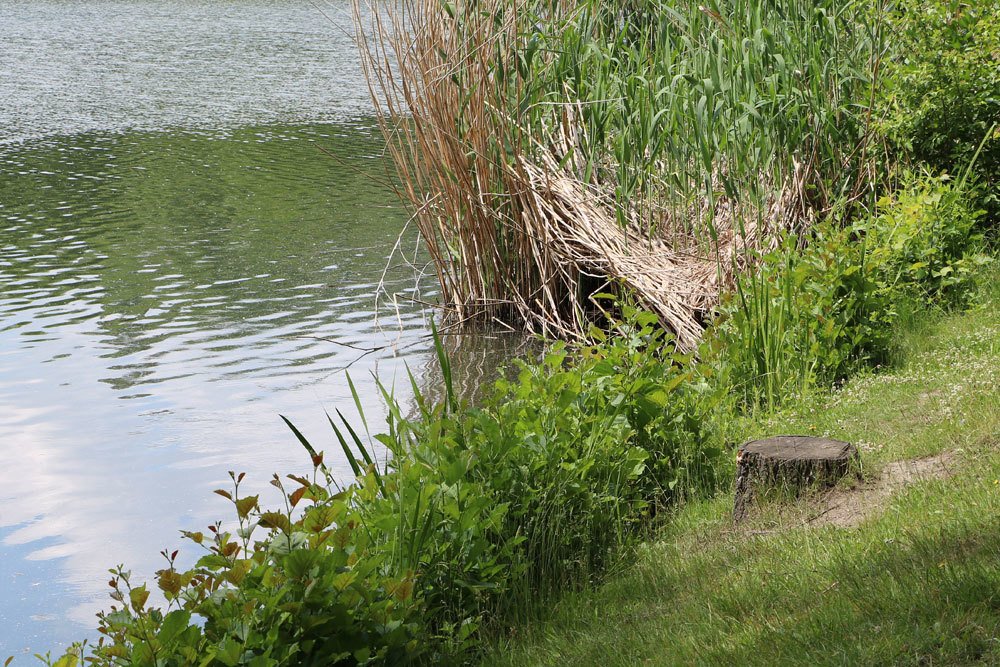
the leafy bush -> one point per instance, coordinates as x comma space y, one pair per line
587, 447
579, 449
318, 589
811, 316
804, 318
941, 90
477, 515
924, 241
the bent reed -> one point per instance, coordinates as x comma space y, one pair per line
553, 150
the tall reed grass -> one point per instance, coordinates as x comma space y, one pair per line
549, 148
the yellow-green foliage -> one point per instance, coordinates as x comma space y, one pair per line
810, 316
681, 102
924, 239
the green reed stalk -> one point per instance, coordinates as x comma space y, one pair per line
705, 129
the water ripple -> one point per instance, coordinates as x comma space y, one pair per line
155, 317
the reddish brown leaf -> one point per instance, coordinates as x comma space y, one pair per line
301, 480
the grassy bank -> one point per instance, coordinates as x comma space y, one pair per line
915, 583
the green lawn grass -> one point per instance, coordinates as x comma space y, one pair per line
917, 582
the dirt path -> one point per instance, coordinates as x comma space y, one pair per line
849, 507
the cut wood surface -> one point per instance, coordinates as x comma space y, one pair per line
788, 462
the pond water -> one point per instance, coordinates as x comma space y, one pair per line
194, 224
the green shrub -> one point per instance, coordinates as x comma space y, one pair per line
317, 588
476, 517
589, 445
580, 448
924, 239
941, 89
806, 317
811, 316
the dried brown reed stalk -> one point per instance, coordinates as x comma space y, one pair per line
414, 58
679, 279
513, 231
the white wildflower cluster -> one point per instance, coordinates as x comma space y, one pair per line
943, 380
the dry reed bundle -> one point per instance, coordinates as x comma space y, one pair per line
524, 211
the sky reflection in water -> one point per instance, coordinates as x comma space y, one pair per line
173, 246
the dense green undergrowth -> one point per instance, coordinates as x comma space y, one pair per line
811, 316
483, 515
940, 101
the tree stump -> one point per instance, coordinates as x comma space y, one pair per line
788, 462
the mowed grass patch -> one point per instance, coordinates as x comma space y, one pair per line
918, 582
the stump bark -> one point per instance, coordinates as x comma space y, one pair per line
791, 463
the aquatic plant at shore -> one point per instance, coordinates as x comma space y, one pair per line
548, 148
479, 515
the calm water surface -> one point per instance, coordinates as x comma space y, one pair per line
188, 207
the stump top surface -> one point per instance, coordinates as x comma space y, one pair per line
799, 447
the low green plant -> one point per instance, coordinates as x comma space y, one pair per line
925, 241
307, 584
589, 445
578, 450
810, 316
805, 318
477, 516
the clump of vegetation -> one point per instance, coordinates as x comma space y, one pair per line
476, 517
925, 239
810, 316
547, 147
290, 586
941, 90
804, 319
